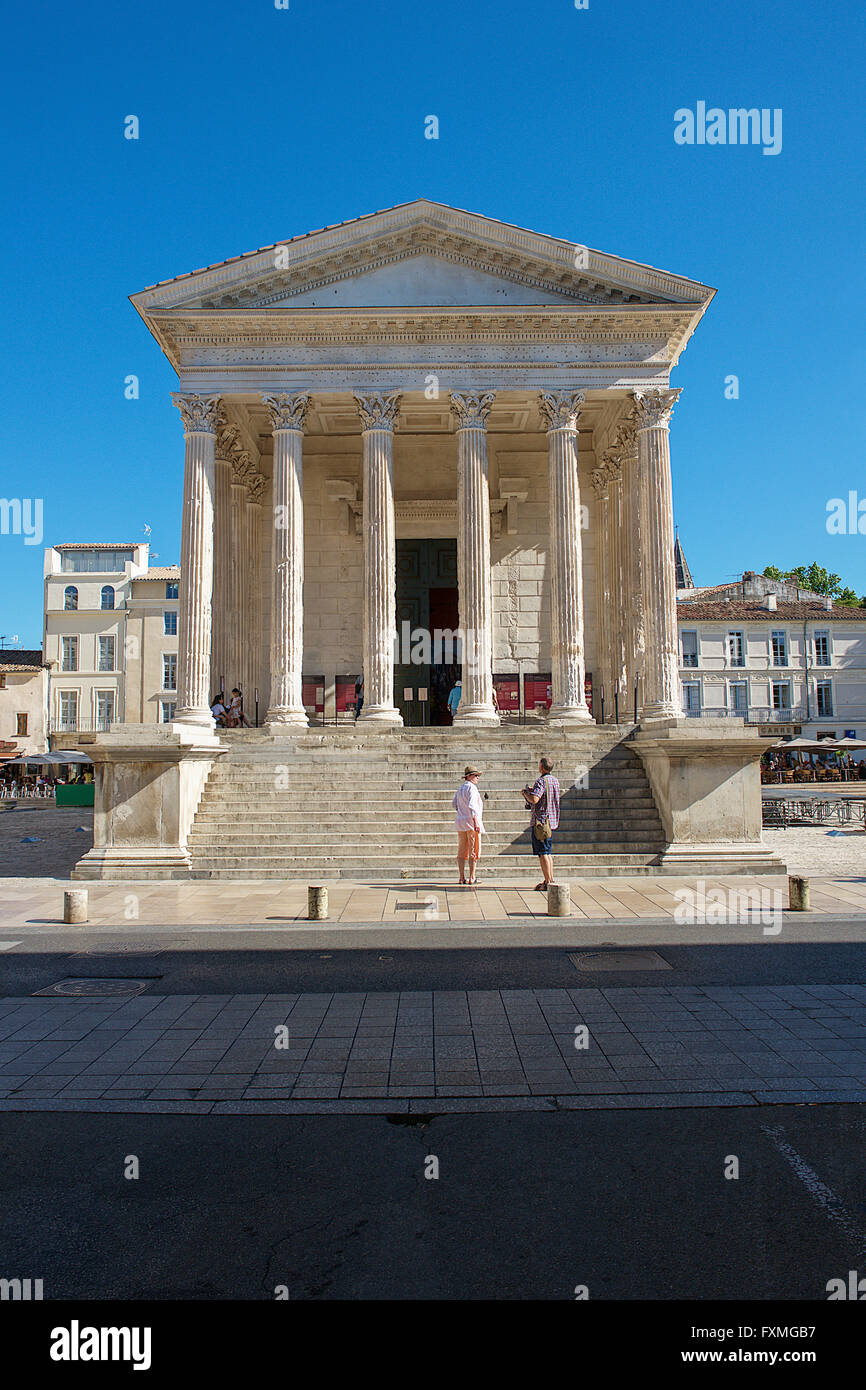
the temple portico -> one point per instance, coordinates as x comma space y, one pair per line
424, 422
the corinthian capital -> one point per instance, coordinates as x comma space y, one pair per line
600, 481
199, 413
255, 486
626, 438
378, 411
611, 462
242, 465
561, 408
226, 441
472, 411
287, 412
653, 407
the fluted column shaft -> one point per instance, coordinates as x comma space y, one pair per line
475, 587
221, 614
253, 639
561, 410
287, 611
601, 484
633, 594
661, 680
196, 560
378, 415
239, 627
619, 617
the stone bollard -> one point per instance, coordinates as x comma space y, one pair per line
317, 903
75, 906
559, 900
798, 893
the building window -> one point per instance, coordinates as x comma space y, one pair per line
106, 561
781, 695
70, 599
822, 649
691, 697
169, 624
736, 649
69, 710
738, 697
21, 729
106, 654
169, 670
779, 642
825, 699
107, 600
69, 653
104, 708
2, 680
167, 708
690, 648
171, 589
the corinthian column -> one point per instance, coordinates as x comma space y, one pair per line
601, 486
561, 410
473, 559
378, 414
635, 639
287, 607
254, 635
661, 680
239, 619
226, 439
199, 414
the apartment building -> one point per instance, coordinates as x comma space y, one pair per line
110, 638
23, 703
779, 657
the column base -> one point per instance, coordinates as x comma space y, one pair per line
559, 715
477, 716
284, 720
379, 717
195, 716
660, 709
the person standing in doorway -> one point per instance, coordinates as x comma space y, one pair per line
542, 798
455, 696
359, 696
469, 823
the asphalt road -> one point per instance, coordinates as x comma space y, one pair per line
256, 963
634, 1205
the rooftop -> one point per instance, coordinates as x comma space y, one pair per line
755, 610
24, 660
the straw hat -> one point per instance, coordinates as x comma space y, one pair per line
470, 771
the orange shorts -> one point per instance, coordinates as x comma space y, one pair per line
468, 844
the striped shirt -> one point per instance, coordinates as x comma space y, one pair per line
547, 808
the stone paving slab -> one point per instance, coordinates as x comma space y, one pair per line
585, 1047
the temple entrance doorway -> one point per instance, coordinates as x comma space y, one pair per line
425, 663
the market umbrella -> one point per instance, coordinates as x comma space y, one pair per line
849, 743
805, 745
73, 756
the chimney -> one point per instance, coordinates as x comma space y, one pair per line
828, 603
771, 603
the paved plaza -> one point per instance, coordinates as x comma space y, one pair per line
572, 1048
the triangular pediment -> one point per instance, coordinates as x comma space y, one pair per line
418, 255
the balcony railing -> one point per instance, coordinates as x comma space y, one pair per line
754, 714
81, 726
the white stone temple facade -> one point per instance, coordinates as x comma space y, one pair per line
421, 419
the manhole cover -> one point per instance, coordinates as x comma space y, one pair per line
101, 989
619, 960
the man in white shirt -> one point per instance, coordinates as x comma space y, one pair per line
469, 823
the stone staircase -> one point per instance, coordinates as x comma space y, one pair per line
336, 803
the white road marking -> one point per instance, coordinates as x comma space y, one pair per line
821, 1194
7, 945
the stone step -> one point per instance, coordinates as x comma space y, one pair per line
410, 844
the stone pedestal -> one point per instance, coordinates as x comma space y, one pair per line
705, 778
473, 560
148, 784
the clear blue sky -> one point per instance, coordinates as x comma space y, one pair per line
258, 124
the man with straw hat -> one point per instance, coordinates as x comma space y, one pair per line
469, 823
